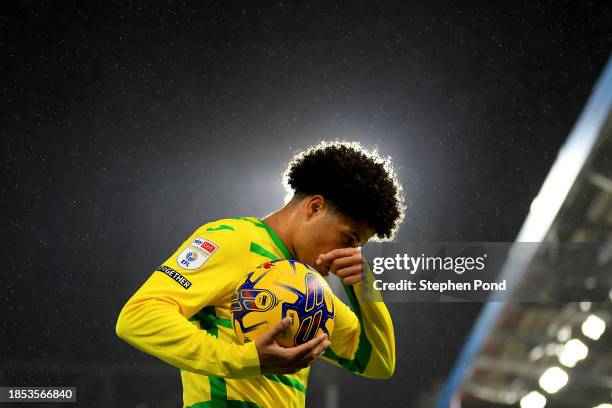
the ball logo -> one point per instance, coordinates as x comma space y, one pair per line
191, 256
263, 300
250, 299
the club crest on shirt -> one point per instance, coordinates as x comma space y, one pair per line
196, 253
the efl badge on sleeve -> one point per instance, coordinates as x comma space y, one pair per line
196, 253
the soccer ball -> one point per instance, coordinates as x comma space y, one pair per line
278, 289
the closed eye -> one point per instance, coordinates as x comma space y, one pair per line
350, 242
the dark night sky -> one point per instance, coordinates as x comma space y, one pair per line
126, 126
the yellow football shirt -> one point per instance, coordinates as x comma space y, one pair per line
181, 314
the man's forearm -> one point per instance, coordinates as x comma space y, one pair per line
155, 327
377, 327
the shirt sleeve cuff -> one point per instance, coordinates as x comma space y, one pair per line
365, 291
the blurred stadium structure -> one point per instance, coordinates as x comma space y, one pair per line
534, 355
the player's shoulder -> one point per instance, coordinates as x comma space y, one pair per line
226, 237
234, 230
235, 224
223, 240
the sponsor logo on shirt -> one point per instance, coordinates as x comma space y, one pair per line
196, 253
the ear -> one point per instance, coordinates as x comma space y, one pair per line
315, 205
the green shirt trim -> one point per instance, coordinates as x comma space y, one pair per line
288, 381
277, 241
364, 349
280, 245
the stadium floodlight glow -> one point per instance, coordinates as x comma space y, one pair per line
573, 351
551, 349
593, 327
604, 406
553, 380
536, 353
564, 333
533, 400
510, 398
585, 306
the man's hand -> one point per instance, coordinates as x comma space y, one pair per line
345, 263
276, 359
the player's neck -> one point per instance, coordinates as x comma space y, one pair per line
281, 223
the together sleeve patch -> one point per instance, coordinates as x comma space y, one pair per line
184, 282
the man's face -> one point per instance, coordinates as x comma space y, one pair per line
323, 229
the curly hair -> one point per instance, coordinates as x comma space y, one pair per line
359, 183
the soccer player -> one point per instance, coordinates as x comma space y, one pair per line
343, 195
